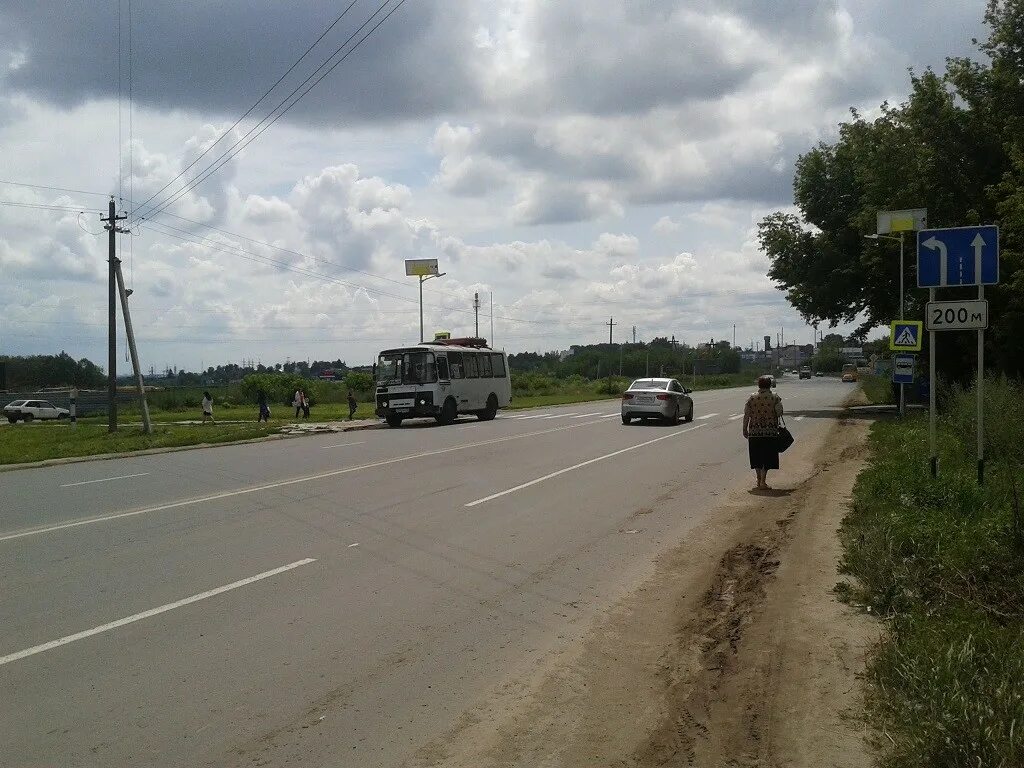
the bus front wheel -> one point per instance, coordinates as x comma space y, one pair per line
448, 412
393, 420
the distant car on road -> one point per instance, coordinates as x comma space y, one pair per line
28, 410
805, 372
819, 374
664, 399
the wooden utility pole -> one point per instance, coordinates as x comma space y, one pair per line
611, 324
112, 261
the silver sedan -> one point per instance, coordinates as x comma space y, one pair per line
664, 399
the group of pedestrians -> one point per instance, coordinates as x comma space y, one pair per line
300, 402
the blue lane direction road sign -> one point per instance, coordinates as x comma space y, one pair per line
958, 256
903, 369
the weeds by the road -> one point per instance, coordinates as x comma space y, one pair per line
942, 560
877, 389
36, 442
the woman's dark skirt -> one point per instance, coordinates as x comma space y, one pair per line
764, 452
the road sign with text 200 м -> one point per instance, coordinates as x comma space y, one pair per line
957, 256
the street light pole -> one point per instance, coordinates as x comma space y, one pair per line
423, 279
902, 309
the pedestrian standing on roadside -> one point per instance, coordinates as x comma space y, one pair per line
761, 428
261, 400
297, 402
305, 406
207, 407
351, 405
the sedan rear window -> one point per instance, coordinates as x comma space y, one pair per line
648, 384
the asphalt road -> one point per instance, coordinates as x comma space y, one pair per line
335, 599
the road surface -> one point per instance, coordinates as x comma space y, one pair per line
338, 599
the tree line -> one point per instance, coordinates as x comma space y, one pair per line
955, 147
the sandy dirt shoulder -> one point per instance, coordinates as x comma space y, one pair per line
734, 652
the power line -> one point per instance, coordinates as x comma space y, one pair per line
44, 207
55, 189
254, 133
255, 104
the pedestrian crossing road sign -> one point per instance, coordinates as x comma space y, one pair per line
905, 336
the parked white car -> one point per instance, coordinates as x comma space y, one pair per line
28, 410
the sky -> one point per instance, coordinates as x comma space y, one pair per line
577, 161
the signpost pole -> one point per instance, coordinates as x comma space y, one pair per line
932, 385
981, 396
903, 387
421, 308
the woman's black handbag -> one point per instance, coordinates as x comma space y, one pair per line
785, 438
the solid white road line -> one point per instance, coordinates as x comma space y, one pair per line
151, 612
736, 416
706, 416
342, 445
609, 415
104, 480
560, 415
799, 418
579, 466
585, 415
283, 483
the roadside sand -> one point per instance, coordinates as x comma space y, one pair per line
733, 653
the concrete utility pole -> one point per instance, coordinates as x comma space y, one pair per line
146, 425
112, 262
476, 315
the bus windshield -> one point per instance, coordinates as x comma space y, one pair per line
406, 368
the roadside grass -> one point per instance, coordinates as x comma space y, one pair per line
942, 562
37, 442
877, 389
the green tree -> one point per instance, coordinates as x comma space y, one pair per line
955, 147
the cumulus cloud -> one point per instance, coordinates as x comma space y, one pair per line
528, 145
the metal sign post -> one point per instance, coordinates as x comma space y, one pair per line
981, 390
958, 256
933, 456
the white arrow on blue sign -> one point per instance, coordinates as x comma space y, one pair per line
958, 256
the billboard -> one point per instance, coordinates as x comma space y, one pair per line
420, 267
887, 222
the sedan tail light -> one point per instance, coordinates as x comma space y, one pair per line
664, 397
627, 396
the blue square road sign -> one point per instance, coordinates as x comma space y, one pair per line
958, 256
903, 369
905, 336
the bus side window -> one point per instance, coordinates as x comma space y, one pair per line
455, 364
485, 366
498, 362
472, 371
442, 368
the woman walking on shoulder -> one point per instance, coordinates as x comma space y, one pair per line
761, 428
207, 407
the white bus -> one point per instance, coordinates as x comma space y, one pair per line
442, 379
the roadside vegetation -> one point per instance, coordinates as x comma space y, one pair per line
941, 561
41, 441
877, 389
